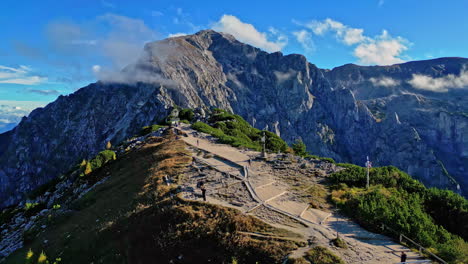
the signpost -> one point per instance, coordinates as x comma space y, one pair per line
264, 155
368, 166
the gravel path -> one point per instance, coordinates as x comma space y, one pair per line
272, 193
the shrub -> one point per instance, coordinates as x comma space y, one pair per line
405, 205
338, 242
87, 169
329, 160
321, 255
150, 129
30, 254
234, 130
102, 158
186, 114
42, 258
299, 147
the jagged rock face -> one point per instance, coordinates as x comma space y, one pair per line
438, 120
329, 110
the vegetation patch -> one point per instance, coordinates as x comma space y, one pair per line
339, 242
234, 130
150, 129
321, 255
405, 205
134, 217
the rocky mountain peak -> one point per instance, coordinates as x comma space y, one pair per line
346, 113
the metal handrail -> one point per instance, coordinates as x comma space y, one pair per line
421, 248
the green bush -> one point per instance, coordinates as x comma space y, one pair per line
102, 158
299, 148
321, 255
186, 114
150, 129
405, 205
448, 209
338, 242
388, 176
234, 130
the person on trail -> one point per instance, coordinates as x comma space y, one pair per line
250, 162
203, 190
403, 257
198, 143
201, 185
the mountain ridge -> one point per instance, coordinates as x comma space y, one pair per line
290, 95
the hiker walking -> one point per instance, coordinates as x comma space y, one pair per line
250, 162
198, 143
403, 257
201, 185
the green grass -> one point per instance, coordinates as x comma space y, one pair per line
338, 242
321, 255
234, 130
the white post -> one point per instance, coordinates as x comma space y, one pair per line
367, 165
264, 155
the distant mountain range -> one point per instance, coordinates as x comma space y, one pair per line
413, 115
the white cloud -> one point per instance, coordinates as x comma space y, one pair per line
20, 75
382, 49
249, 34
353, 36
441, 84
346, 34
179, 34
305, 39
384, 81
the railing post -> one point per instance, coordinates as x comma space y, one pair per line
401, 238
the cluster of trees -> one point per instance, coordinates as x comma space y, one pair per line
405, 205
41, 258
97, 162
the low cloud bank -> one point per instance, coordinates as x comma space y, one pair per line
440, 84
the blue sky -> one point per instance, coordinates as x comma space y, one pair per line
50, 48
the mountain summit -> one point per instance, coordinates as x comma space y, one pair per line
406, 115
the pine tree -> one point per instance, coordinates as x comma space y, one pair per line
299, 148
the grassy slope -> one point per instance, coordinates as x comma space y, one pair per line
134, 218
234, 130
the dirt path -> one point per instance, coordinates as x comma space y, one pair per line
254, 189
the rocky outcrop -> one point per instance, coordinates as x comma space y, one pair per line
286, 94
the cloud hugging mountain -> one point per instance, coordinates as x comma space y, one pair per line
412, 115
